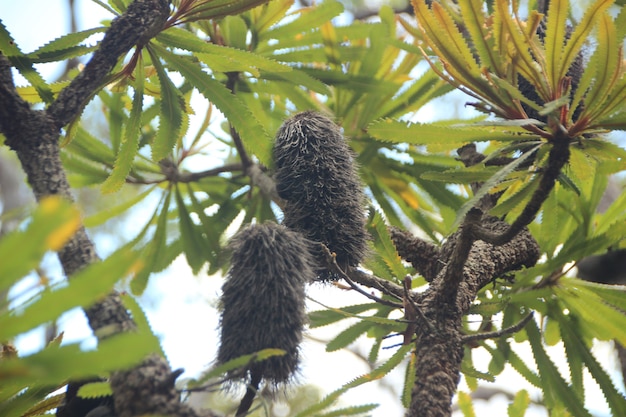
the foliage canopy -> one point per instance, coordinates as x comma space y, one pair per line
257, 63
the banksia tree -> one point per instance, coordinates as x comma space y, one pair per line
317, 177
263, 302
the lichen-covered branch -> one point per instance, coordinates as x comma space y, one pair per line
142, 20
439, 353
423, 255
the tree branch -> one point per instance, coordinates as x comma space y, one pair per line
557, 158
142, 20
469, 338
331, 262
371, 281
439, 353
33, 135
423, 255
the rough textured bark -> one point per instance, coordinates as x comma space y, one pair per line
34, 136
456, 272
439, 345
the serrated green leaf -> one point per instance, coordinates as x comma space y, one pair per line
348, 336
130, 140
524, 62
215, 9
30, 94
56, 366
604, 321
554, 106
409, 381
581, 32
171, 114
154, 250
450, 137
169, 254
471, 372
574, 359
142, 323
492, 182
476, 173
519, 405
465, 404
241, 361
43, 405
65, 47
444, 38
297, 80
194, 244
309, 18
520, 366
556, 28
355, 83
420, 92
237, 59
331, 315
384, 246
608, 58
23, 64
579, 351
85, 287
351, 411
106, 215
376, 374
512, 199
551, 333
578, 246
95, 390
614, 295
474, 20
498, 360
89, 147
255, 138
81, 172
51, 225
234, 31
269, 14
555, 389
488, 308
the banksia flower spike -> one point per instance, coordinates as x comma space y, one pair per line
263, 300
317, 177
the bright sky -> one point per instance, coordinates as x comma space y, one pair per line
181, 307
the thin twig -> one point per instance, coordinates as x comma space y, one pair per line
331, 260
372, 281
251, 390
498, 333
241, 150
195, 176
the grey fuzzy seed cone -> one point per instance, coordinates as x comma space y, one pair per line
316, 175
263, 299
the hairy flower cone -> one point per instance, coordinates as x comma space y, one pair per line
263, 299
317, 177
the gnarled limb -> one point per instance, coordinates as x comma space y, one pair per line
439, 353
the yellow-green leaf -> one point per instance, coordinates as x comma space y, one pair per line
130, 140
556, 28
171, 112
